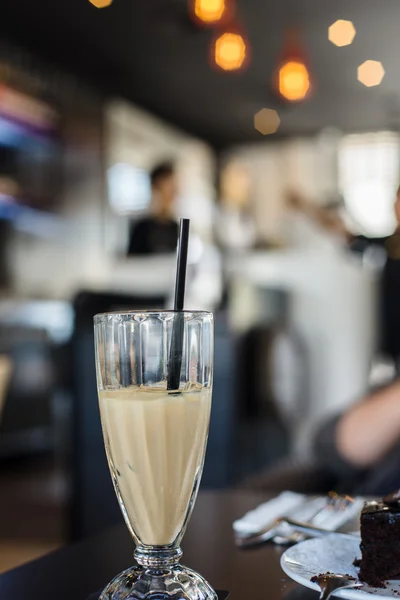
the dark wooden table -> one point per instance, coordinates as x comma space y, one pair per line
78, 570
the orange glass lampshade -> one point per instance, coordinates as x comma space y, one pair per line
101, 3
294, 81
293, 77
230, 51
209, 11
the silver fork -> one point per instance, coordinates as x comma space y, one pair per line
335, 503
329, 583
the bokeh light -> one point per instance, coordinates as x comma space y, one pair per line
101, 3
294, 81
209, 11
266, 121
370, 73
230, 51
341, 33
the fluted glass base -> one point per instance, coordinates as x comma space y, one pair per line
158, 576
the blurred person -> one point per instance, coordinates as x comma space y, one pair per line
235, 223
157, 233
356, 452
361, 447
326, 216
236, 230
309, 226
389, 248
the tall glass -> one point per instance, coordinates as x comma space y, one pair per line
155, 439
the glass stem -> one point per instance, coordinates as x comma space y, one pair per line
157, 557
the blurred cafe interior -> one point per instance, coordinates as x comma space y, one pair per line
273, 126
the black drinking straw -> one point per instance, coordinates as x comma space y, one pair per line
176, 350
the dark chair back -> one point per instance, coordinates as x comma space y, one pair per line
93, 502
26, 421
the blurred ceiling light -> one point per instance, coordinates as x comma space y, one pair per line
266, 121
292, 76
101, 3
341, 33
230, 51
294, 81
209, 11
371, 73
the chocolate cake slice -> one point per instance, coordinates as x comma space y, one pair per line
380, 540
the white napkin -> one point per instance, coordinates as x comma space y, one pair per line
299, 507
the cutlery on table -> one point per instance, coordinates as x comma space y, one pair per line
312, 530
300, 532
300, 529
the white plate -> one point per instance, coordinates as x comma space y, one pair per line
333, 553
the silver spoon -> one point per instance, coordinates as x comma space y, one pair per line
312, 530
329, 583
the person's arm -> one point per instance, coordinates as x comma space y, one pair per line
325, 218
327, 455
369, 430
329, 221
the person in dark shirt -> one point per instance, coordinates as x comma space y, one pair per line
390, 285
158, 232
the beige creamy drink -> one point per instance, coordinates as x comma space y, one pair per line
155, 444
